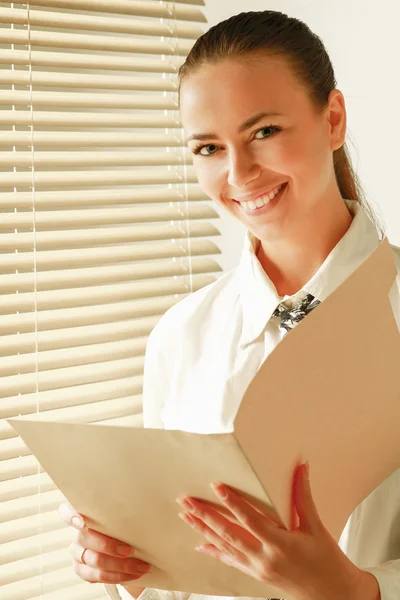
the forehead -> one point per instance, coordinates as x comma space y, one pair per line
234, 89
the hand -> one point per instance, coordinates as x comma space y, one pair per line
304, 563
98, 558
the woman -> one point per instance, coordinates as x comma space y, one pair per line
266, 126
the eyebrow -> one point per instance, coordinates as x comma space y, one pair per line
246, 125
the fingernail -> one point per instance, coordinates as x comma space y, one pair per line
144, 568
181, 502
307, 469
220, 490
78, 522
186, 504
187, 518
124, 550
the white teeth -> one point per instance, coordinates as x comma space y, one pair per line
262, 200
259, 202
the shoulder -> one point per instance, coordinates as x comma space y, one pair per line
204, 306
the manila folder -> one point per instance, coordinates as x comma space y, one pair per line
329, 393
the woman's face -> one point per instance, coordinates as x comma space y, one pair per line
293, 146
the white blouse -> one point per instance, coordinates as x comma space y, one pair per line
206, 349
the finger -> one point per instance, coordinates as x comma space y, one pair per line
94, 540
214, 552
266, 510
71, 516
222, 533
256, 524
104, 562
304, 502
94, 575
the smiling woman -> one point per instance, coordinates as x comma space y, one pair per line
267, 125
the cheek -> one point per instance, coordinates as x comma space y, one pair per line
210, 181
284, 155
304, 158
317, 152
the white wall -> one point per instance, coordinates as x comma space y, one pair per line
362, 39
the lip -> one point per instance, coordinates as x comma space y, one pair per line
259, 194
266, 209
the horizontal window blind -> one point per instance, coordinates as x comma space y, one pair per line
103, 227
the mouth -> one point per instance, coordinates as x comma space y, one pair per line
263, 203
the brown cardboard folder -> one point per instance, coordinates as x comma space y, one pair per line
336, 406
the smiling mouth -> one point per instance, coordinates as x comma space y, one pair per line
261, 202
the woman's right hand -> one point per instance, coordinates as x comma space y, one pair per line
98, 558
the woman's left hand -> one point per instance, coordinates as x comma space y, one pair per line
305, 563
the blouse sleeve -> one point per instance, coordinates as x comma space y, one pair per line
388, 577
155, 382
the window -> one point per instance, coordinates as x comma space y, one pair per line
103, 227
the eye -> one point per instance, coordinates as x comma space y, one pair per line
198, 149
274, 128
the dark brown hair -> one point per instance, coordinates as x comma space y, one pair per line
254, 35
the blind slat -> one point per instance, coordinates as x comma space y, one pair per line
29, 526
87, 296
129, 7
82, 591
75, 119
89, 178
110, 197
87, 257
23, 486
102, 62
34, 566
33, 545
95, 159
81, 335
49, 561
62, 219
112, 25
102, 43
77, 238
52, 319
122, 139
48, 582
85, 100
67, 376
85, 394
96, 197
13, 365
77, 80
30, 505
74, 278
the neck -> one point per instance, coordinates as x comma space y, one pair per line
291, 261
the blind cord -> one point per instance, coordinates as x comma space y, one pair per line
35, 293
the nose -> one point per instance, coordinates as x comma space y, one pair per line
242, 170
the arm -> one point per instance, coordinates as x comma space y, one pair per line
154, 385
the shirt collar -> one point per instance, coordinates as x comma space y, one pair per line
258, 294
